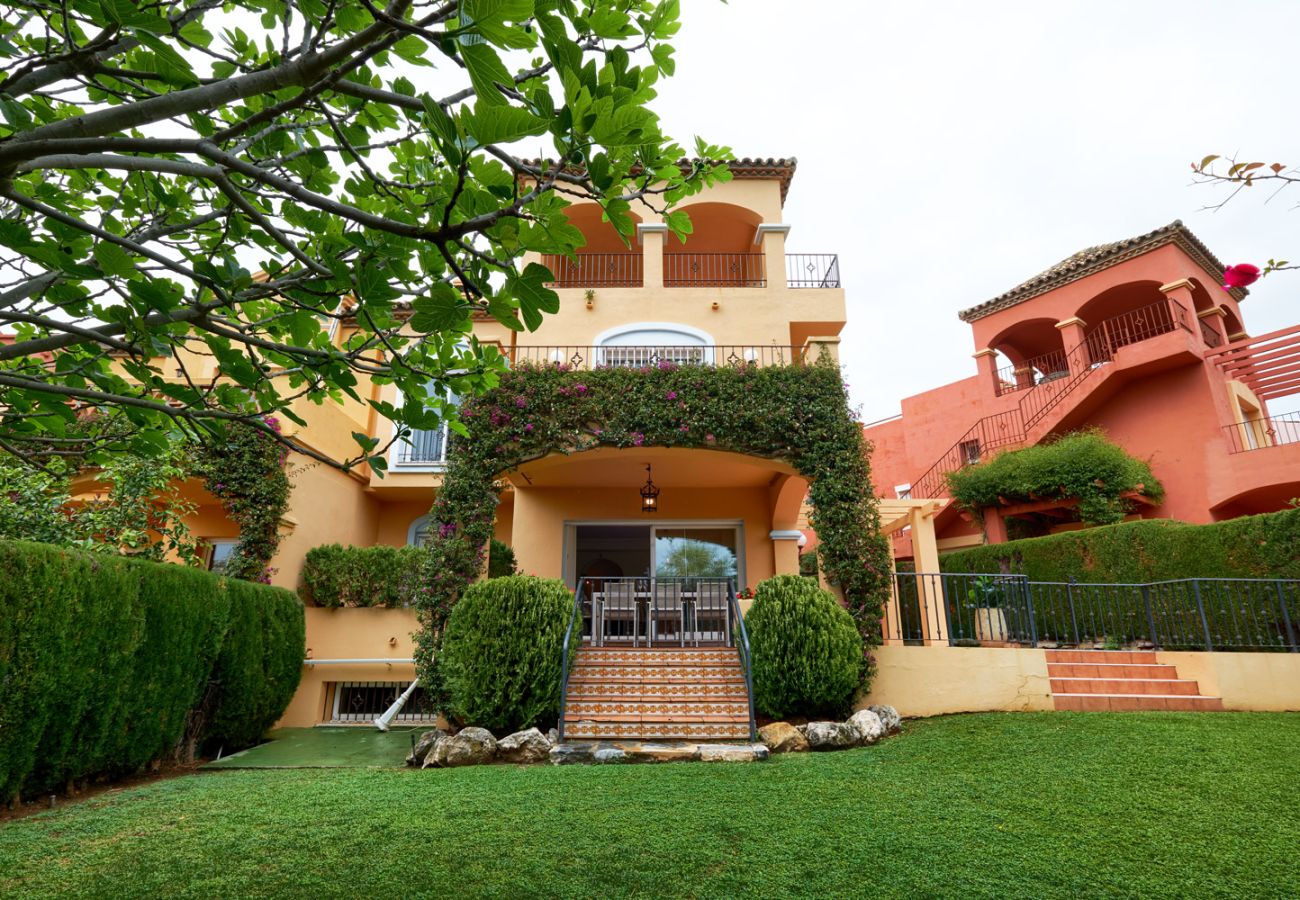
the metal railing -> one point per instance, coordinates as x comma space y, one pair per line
1211, 337
1032, 372
639, 611
565, 658
990, 433
1212, 614
812, 270
423, 447
586, 357
1259, 434
595, 270
741, 640
714, 270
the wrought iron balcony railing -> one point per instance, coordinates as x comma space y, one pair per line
812, 270
595, 270
646, 357
714, 270
425, 448
1258, 434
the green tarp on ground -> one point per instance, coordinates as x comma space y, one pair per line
324, 748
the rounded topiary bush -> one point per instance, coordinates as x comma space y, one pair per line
807, 653
500, 656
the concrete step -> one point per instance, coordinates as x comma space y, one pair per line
1135, 703
1111, 670
1182, 687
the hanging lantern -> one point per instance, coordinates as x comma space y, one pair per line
649, 494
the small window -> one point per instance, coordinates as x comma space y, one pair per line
425, 447
218, 553
903, 491
970, 452
418, 534
364, 701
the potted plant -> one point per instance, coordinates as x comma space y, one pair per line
986, 595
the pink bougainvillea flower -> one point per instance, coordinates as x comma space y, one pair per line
1241, 275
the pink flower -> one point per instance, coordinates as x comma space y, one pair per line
685, 428
638, 438
580, 389
528, 427
1241, 275
671, 395
520, 402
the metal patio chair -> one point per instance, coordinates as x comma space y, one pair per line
666, 606
711, 606
618, 604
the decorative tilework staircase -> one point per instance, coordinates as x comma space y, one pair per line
687, 694
1121, 681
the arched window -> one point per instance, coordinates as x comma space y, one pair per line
649, 343
418, 534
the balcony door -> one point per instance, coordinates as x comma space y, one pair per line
632, 549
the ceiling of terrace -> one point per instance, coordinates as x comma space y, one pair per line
625, 468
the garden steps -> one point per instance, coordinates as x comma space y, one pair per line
693, 694
1121, 681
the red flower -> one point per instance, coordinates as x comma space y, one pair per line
1241, 275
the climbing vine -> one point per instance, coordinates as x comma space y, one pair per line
245, 470
796, 414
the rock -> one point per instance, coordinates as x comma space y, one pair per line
867, 726
529, 746
782, 737
829, 735
568, 754
553, 736
733, 752
889, 717
609, 755
423, 746
431, 758
654, 753
467, 747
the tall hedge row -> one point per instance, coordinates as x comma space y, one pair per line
1264, 546
107, 663
335, 575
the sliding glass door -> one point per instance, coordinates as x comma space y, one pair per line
695, 552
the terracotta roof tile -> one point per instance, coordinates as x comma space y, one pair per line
1103, 256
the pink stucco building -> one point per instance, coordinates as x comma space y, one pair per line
1138, 338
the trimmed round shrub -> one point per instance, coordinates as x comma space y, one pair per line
807, 653
500, 654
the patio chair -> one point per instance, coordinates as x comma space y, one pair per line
618, 604
711, 607
666, 606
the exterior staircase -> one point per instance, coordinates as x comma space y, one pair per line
630, 694
1121, 681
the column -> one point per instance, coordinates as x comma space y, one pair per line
1077, 357
785, 551
1217, 319
925, 554
815, 346
995, 527
651, 236
1180, 292
987, 361
770, 238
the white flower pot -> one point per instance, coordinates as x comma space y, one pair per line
990, 625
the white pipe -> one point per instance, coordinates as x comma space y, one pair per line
340, 662
386, 719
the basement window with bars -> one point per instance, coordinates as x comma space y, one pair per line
364, 701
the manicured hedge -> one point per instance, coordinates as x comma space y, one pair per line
104, 659
335, 575
500, 657
1265, 546
807, 652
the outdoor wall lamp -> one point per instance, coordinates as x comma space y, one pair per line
649, 494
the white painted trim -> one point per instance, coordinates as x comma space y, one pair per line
678, 327
644, 228
769, 228
785, 535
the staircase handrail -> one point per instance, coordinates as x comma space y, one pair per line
574, 615
741, 641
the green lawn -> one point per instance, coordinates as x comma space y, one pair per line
1052, 804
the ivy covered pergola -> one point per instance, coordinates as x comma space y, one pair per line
797, 414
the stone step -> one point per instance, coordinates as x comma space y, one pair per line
588, 730
571, 752
1182, 687
1136, 703
1112, 670
1147, 657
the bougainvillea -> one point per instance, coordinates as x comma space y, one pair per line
796, 414
245, 471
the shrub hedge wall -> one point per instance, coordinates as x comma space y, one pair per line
106, 663
334, 575
1264, 546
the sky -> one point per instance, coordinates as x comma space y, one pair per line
950, 150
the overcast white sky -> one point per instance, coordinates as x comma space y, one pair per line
949, 150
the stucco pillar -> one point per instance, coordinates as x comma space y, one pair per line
925, 553
1072, 338
785, 551
987, 361
1217, 319
1180, 292
814, 346
995, 527
769, 238
891, 623
651, 236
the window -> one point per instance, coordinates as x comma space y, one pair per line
418, 534
695, 552
903, 491
970, 452
364, 701
652, 343
218, 551
425, 448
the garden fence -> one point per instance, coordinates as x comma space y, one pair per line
982, 609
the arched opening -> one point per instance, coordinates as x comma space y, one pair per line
1201, 298
720, 250
1128, 313
643, 344
605, 260
1031, 352
1232, 324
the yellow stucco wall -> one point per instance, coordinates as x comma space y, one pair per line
934, 680
1259, 682
326, 506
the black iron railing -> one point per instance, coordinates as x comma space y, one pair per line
1259, 434
981, 609
566, 657
595, 270
658, 611
714, 270
812, 270
741, 640
650, 357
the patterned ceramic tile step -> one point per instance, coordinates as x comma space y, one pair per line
673, 712
635, 691
657, 731
1182, 687
687, 657
1135, 703
1111, 670
1102, 656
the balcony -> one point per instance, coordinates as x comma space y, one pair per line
647, 357
422, 449
692, 270
1263, 433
